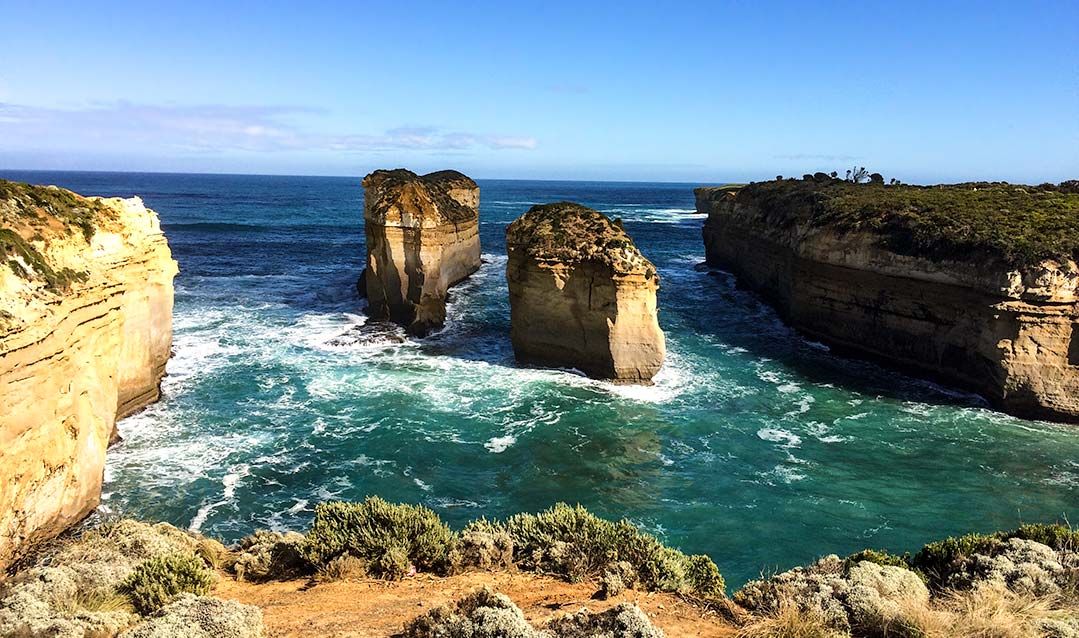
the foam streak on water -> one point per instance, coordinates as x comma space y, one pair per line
272, 405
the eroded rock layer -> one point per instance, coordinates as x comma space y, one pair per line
581, 295
85, 332
422, 237
855, 269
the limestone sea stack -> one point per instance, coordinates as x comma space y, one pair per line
971, 284
582, 295
422, 237
85, 332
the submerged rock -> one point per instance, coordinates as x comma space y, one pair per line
581, 295
372, 333
422, 236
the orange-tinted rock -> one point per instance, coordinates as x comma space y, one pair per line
422, 236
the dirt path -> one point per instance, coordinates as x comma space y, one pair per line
375, 608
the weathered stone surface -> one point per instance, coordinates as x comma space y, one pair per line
581, 295
422, 237
85, 331
1008, 333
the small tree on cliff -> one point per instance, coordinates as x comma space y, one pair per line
858, 174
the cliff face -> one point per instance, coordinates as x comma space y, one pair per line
422, 237
1007, 330
581, 295
85, 331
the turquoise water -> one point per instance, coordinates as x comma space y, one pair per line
755, 446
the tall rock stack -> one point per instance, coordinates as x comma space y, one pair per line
581, 295
85, 331
422, 238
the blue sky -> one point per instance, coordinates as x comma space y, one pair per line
709, 92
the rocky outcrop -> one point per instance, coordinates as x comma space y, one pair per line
581, 295
887, 273
85, 331
422, 237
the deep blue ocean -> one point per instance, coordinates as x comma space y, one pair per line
755, 446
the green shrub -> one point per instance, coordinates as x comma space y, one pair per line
382, 534
158, 581
880, 557
572, 543
1059, 537
939, 559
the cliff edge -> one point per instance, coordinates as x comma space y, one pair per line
973, 284
422, 236
85, 332
582, 295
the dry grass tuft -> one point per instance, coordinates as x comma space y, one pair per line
995, 612
341, 568
788, 621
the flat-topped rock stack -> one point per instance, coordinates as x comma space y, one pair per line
581, 295
85, 332
972, 284
422, 237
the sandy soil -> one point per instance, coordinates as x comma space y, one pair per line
375, 608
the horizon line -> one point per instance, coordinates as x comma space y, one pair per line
357, 177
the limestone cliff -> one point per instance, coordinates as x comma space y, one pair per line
974, 285
85, 331
581, 295
422, 237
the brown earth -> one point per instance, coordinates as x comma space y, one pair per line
370, 608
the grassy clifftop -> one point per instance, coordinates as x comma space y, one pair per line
1022, 225
32, 215
571, 233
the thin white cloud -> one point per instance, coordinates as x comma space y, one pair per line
216, 128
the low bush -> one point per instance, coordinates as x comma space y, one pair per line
158, 581
624, 620
940, 559
572, 543
390, 538
341, 568
1059, 537
878, 556
478, 614
267, 555
482, 545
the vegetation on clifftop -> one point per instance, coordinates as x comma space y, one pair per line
563, 541
395, 187
127, 575
35, 205
1022, 225
571, 233
34, 212
26, 262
